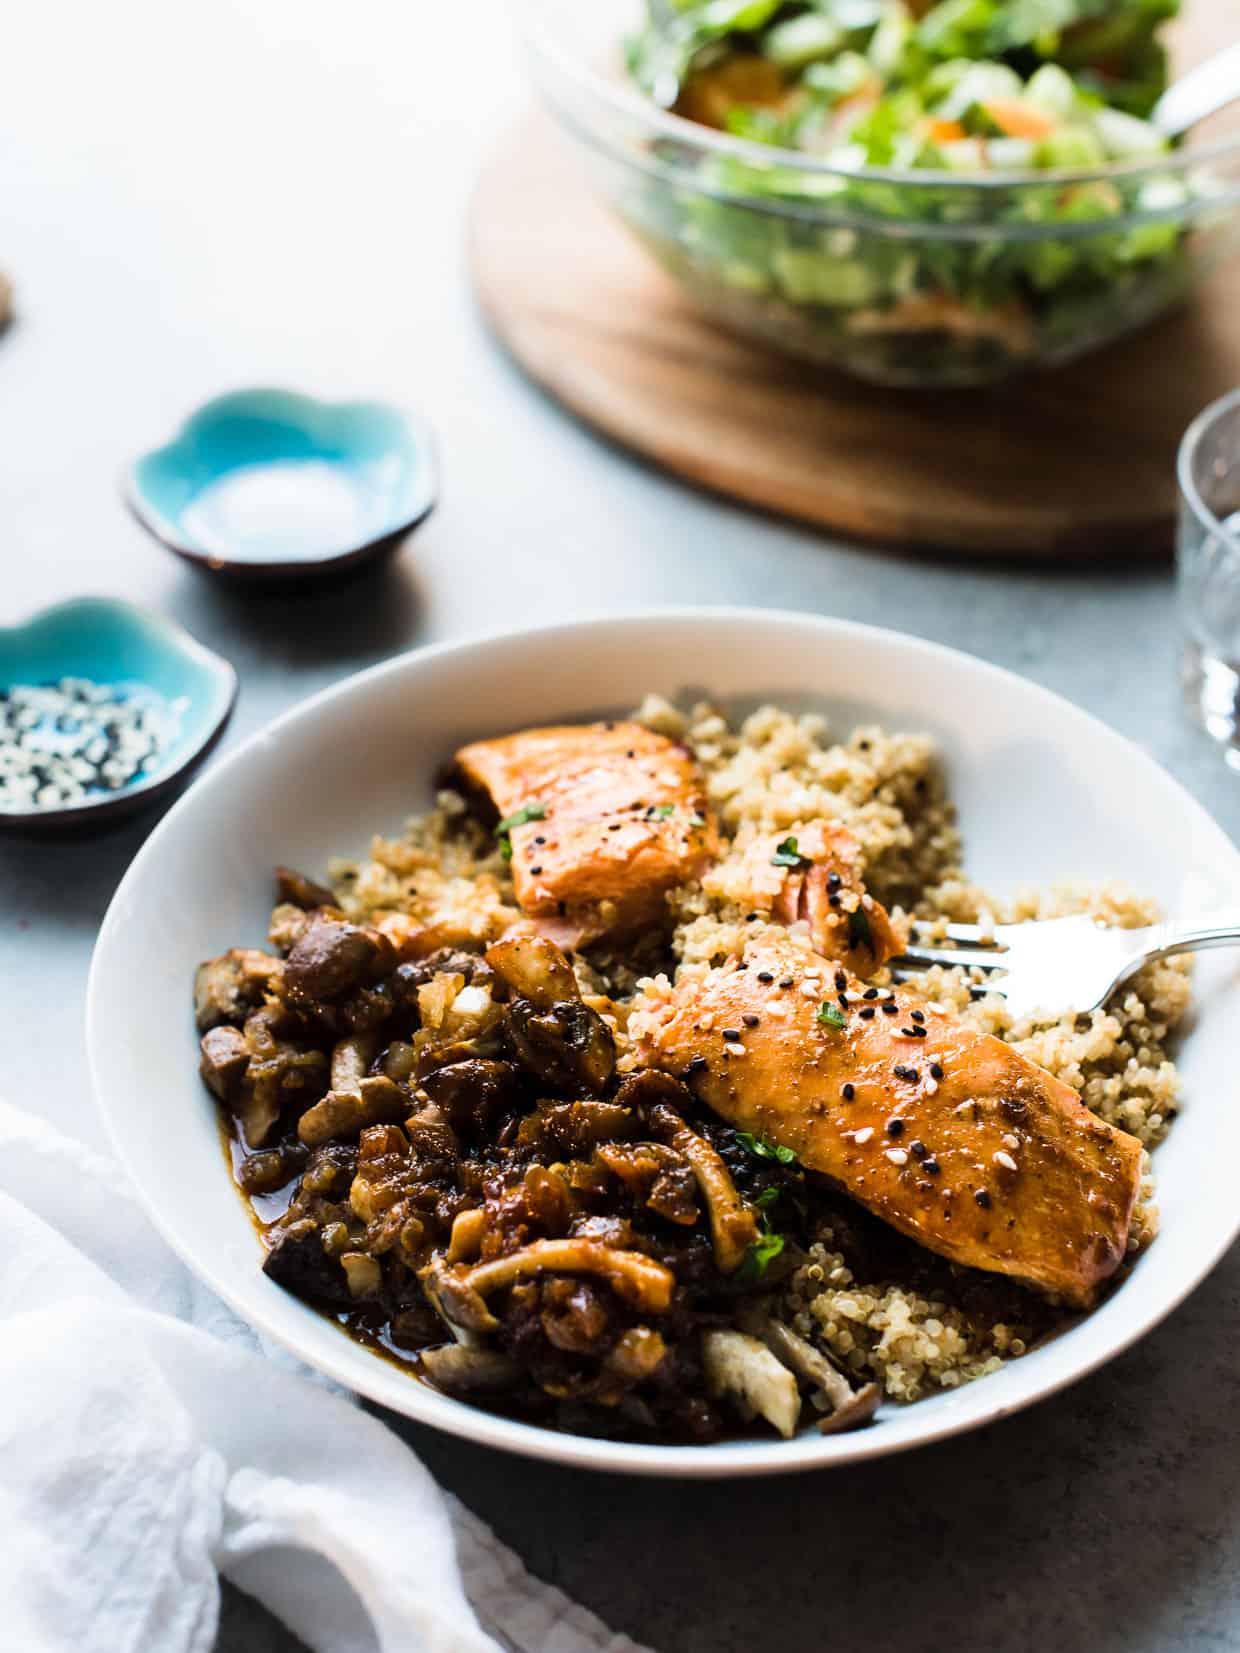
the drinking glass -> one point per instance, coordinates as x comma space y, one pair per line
1208, 570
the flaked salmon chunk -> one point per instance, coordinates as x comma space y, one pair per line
606, 819
949, 1135
810, 875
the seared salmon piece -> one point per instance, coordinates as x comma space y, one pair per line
950, 1136
607, 818
811, 875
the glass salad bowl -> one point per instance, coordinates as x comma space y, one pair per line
948, 274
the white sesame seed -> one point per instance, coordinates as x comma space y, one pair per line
776, 1009
731, 1049
1006, 1160
897, 1156
931, 1085
864, 1134
810, 989
1011, 1140
962, 1107
706, 1022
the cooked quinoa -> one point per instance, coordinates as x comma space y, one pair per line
918, 1323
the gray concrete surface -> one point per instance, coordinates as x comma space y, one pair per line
204, 196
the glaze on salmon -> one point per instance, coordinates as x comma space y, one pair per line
949, 1135
615, 816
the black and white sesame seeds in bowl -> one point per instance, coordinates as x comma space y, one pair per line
105, 708
1042, 793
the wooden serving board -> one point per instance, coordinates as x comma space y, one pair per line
1080, 461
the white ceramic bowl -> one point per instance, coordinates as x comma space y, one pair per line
1045, 792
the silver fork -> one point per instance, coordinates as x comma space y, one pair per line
1058, 964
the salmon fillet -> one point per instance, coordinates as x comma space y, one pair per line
810, 875
949, 1135
615, 818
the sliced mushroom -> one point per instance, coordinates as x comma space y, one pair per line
472, 1095
567, 1045
638, 1279
468, 1227
376, 1101
331, 958
455, 1300
534, 970
850, 1407
351, 1061
574, 1127
733, 1226
741, 1366
460, 1369
225, 1058
300, 891
298, 1262
226, 1068
227, 988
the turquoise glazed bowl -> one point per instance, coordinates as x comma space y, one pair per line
270, 485
112, 642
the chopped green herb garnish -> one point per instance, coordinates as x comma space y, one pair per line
760, 1148
761, 1254
830, 1015
860, 933
664, 810
519, 817
787, 855
768, 1196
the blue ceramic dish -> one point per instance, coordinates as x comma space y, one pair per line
113, 642
272, 485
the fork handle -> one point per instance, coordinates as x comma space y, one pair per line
1192, 935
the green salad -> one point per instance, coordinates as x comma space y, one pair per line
930, 279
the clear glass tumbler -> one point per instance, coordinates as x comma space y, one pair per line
1208, 569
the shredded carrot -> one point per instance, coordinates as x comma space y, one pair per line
1017, 119
939, 131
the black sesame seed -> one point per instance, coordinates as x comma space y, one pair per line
833, 899
833, 880
866, 1012
895, 1127
614, 827
540, 839
982, 1198
891, 1009
562, 907
931, 1167
697, 1064
918, 1148
630, 753
849, 1092
534, 871
917, 1015
787, 982
870, 993
765, 975
841, 981
752, 918
936, 1072
750, 1020
731, 1032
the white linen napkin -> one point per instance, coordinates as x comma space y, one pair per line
150, 1441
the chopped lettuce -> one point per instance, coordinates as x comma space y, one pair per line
965, 88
